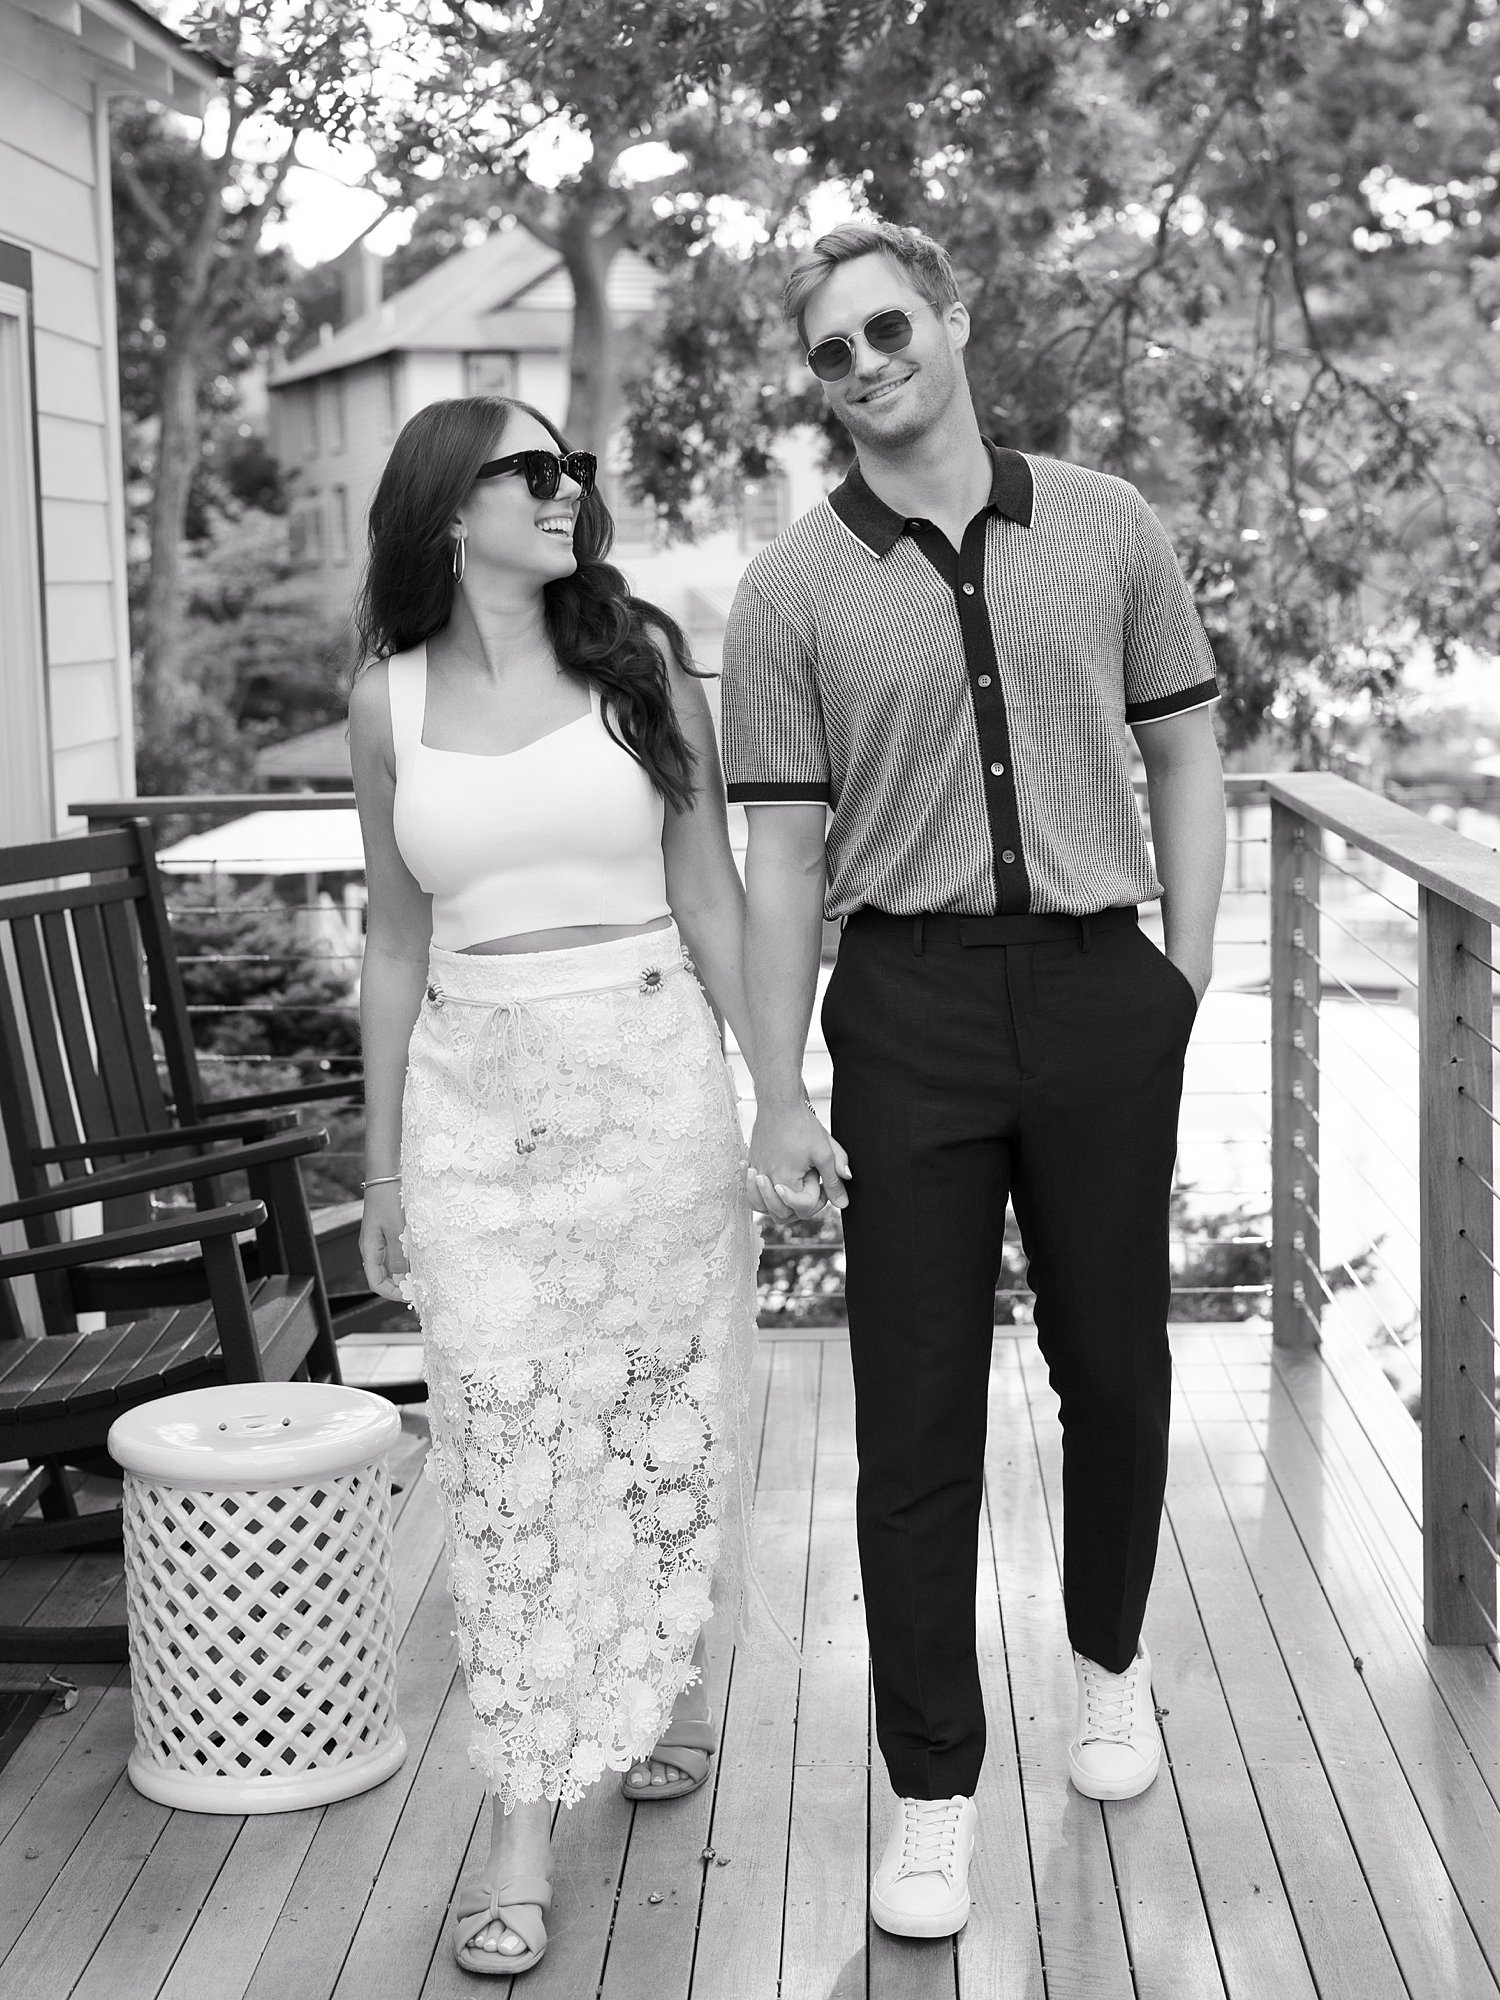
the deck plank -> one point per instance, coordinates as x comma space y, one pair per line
138, 1945
1342, 1935
824, 1950
739, 1936
1078, 1913
224, 1945
1353, 1631
652, 1944
305, 1952
1167, 1931
401, 1925
999, 1950
1255, 1935
82, 1901
37, 1754
1468, 1677
60, 1814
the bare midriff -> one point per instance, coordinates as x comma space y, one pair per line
567, 939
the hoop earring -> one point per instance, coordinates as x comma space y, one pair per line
459, 558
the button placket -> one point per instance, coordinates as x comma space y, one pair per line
963, 572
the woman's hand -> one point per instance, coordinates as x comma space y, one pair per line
380, 1241
795, 1167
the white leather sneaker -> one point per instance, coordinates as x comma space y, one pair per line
1116, 1747
921, 1888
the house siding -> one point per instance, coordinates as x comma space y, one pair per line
55, 204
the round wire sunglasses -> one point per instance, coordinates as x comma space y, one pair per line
887, 332
545, 470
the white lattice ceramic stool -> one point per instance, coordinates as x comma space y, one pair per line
258, 1585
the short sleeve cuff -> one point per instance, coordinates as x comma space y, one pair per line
1198, 696
761, 792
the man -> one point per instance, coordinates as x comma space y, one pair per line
948, 653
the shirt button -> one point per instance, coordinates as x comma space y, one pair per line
984, 680
1008, 855
998, 770
968, 590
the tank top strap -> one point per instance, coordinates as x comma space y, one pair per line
406, 681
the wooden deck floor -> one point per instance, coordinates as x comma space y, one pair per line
1328, 1824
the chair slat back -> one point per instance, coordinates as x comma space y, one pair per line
77, 924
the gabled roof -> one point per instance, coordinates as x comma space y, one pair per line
134, 50
502, 294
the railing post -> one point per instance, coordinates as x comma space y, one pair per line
1296, 1246
1458, 1248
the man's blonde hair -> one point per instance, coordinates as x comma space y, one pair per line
925, 263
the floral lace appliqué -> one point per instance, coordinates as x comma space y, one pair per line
588, 1310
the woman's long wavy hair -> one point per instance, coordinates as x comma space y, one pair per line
596, 626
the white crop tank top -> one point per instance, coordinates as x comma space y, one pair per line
566, 831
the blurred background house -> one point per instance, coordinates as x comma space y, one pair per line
494, 319
65, 679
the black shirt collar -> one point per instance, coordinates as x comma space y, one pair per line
880, 527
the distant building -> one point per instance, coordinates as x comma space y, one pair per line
65, 692
494, 319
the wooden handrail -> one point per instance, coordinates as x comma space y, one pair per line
1449, 863
107, 810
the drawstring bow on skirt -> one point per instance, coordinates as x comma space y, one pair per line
514, 1044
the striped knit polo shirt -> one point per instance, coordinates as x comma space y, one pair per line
963, 712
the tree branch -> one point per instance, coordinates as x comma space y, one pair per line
536, 210
148, 207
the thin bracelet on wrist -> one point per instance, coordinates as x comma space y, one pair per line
378, 1180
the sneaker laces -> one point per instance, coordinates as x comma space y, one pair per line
1109, 1703
929, 1836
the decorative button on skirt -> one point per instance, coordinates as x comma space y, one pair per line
583, 1265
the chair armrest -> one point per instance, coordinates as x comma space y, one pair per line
197, 1226
309, 1093
160, 1142
164, 1173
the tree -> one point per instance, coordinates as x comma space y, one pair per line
261, 653
198, 212
609, 75
1240, 252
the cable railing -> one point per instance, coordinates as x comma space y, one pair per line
1416, 1239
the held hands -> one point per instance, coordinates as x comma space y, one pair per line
380, 1241
795, 1167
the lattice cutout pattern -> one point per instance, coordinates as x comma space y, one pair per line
262, 1625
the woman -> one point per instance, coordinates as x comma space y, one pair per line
552, 1139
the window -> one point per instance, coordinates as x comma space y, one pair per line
635, 520
489, 374
340, 523
391, 371
25, 756
305, 531
312, 429
334, 396
764, 508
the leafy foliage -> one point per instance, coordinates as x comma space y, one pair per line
1239, 252
262, 652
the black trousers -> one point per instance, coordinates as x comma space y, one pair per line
978, 1059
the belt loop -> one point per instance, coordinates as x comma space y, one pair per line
919, 934
1083, 932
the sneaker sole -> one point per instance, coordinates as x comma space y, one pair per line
1123, 1788
929, 1924
934, 1924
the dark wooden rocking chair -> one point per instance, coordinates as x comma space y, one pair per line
81, 1083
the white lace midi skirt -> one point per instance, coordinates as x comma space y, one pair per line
583, 1265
